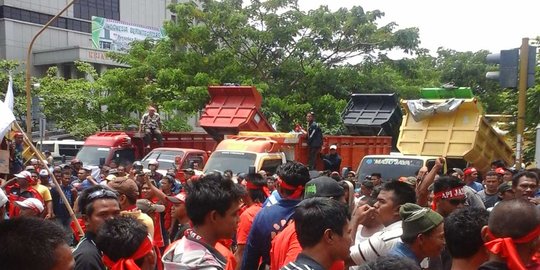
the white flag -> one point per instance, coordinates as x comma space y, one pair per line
6, 119
9, 95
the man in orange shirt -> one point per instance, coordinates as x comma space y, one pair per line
257, 194
285, 246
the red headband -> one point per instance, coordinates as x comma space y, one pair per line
450, 193
129, 263
252, 186
505, 247
297, 190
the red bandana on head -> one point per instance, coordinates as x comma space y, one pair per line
457, 192
129, 263
252, 186
505, 247
297, 190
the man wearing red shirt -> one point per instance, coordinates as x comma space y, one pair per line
257, 194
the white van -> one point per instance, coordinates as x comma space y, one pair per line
61, 148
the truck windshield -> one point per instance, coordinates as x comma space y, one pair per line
165, 158
237, 162
90, 155
389, 168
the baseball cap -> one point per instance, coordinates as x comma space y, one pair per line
153, 162
323, 186
33, 161
43, 172
177, 199
457, 170
110, 177
24, 174
146, 206
500, 171
30, 168
333, 147
75, 161
113, 171
189, 170
31, 203
469, 171
124, 186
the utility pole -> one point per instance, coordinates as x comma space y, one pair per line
522, 98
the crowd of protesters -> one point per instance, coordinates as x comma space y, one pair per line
296, 218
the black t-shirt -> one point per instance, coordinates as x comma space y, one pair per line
493, 266
86, 254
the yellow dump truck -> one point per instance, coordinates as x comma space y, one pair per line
446, 126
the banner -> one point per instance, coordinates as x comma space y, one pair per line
116, 35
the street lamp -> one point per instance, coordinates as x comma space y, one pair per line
27, 83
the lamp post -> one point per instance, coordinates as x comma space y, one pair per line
28, 64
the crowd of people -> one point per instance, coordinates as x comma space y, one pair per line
296, 218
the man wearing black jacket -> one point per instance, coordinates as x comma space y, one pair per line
314, 140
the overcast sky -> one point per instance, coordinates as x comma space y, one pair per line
461, 25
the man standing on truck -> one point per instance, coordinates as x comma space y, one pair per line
314, 140
151, 122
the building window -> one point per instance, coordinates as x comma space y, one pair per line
41, 18
109, 9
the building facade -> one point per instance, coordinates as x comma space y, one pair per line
69, 38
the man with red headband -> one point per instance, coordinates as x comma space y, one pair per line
448, 195
470, 175
292, 177
257, 192
126, 245
511, 236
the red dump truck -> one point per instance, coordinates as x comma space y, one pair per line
231, 109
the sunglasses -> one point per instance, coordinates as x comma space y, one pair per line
457, 202
102, 193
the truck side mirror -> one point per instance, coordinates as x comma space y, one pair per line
101, 161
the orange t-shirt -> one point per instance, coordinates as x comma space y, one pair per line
246, 220
227, 253
285, 248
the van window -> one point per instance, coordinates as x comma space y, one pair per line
390, 168
124, 157
270, 165
69, 150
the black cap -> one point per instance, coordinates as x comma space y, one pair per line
323, 186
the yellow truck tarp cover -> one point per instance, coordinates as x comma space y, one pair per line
462, 133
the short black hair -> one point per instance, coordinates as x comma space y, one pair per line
391, 262
513, 218
493, 173
462, 231
211, 192
121, 237
85, 204
315, 215
528, 174
29, 243
256, 195
498, 163
293, 173
446, 182
403, 193
378, 175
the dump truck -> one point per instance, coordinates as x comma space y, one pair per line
449, 123
267, 150
231, 109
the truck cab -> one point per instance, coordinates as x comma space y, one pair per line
104, 147
176, 158
238, 153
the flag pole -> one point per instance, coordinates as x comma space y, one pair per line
57, 186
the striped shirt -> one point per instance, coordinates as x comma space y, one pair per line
303, 262
379, 244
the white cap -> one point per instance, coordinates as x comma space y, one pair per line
333, 147
24, 174
31, 203
43, 172
33, 161
153, 162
